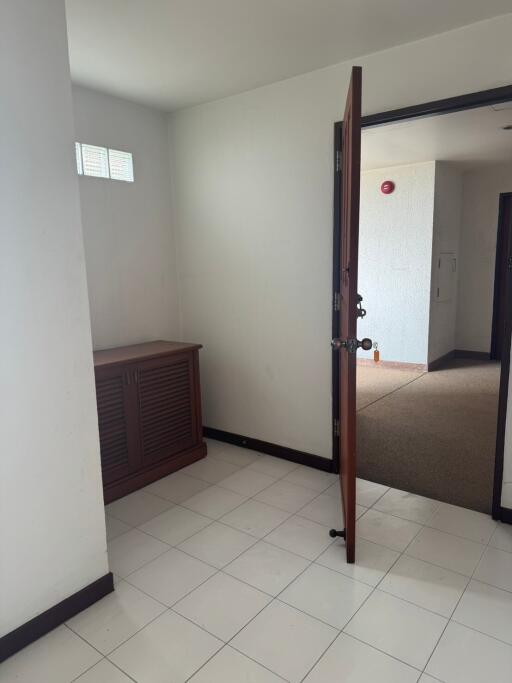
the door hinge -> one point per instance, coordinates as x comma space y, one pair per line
338, 160
336, 304
336, 426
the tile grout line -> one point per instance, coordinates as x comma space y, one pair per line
311, 562
218, 570
227, 645
253, 498
103, 656
374, 588
450, 620
373, 647
373, 591
274, 598
297, 513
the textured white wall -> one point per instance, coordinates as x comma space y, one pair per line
253, 199
481, 191
395, 254
129, 246
446, 234
52, 528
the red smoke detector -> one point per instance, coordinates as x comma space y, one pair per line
387, 187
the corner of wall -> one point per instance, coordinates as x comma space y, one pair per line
174, 225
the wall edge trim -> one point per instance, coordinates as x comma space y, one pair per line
45, 622
391, 364
504, 515
283, 452
475, 355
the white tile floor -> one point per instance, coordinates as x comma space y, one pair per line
225, 573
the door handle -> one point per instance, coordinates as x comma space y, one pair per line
361, 312
351, 345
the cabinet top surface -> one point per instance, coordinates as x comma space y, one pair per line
125, 354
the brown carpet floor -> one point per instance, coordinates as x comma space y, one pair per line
430, 433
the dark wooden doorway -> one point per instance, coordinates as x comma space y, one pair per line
434, 108
502, 302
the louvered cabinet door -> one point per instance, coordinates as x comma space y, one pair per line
117, 400
168, 406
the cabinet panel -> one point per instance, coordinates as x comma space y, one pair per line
149, 413
115, 401
168, 422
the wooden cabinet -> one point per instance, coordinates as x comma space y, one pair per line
149, 413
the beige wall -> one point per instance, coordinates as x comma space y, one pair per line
52, 528
446, 237
129, 246
481, 191
252, 178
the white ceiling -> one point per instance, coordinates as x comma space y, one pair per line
468, 138
175, 53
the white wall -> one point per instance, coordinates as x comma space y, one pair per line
52, 530
253, 210
395, 253
129, 248
481, 191
446, 234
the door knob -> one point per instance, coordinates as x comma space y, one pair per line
351, 345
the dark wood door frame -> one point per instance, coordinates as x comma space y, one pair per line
502, 265
426, 109
503, 337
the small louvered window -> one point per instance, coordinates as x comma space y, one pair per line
121, 165
95, 161
101, 162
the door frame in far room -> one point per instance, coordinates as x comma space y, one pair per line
502, 290
503, 265
435, 108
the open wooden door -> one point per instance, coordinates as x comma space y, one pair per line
347, 344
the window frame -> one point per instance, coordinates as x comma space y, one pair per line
80, 164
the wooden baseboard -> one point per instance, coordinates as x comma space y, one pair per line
439, 362
475, 355
457, 353
55, 616
135, 481
391, 364
277, 451
503, 515
425, 367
